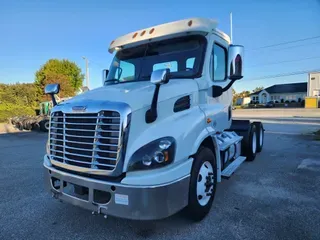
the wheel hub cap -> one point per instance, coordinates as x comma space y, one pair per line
205, 183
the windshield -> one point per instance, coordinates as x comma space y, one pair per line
183, 56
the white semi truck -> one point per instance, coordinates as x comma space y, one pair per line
158, 136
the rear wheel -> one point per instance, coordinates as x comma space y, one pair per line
260, 136
250, 147
203, 182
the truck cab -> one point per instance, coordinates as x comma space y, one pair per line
158, 135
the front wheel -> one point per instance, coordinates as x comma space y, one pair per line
203, 182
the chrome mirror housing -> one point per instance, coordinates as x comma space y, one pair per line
52, 88
235, 65
160, 76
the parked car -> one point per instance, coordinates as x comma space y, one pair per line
269, 104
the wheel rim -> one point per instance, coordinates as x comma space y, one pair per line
261, 137
254, 143
205, 183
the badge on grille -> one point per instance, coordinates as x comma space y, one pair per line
79, 109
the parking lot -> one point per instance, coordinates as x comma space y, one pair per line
274, 197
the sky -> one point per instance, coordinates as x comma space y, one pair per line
33, 31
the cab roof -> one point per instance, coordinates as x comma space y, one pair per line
167, 30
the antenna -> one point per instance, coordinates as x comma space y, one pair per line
231, 38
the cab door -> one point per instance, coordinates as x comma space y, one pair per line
219, 108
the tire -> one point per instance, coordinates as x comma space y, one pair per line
250, 147
199, 202
260, 136
44, 125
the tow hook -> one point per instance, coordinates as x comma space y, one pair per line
100, 212
55, 194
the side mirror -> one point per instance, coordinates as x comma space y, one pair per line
105, 73
52, 89
160, 76
235, 56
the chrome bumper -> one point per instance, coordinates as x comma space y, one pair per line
126, 201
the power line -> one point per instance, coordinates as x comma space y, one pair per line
287, 61
296, 46
283, 75
284, 43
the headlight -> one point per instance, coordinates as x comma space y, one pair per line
155, 154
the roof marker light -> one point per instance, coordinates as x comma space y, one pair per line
134, 35
190, 23
151, 31
143, 32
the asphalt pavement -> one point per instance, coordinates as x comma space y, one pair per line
274, 197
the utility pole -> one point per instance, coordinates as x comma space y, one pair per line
87, 71
231, 38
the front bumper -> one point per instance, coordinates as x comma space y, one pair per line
126, 201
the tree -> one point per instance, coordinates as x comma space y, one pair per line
244, 94
257, 89
67, 73
66, 89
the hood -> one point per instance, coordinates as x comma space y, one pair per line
136, 94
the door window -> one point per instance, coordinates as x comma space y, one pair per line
219, 62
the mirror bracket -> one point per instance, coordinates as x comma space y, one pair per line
158, 77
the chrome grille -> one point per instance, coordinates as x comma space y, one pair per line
89, 140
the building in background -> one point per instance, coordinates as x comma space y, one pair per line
243, 101
314, 84
292, 92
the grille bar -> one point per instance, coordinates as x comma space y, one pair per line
86, 140
80, 117
88, 163
83, 130
79, 136
82, 155
88, 124
84, 149
85, 143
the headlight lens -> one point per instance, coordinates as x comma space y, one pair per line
155, 154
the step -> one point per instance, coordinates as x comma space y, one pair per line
228, 171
